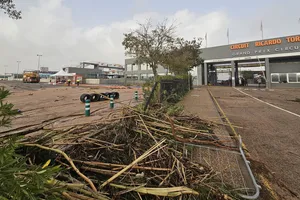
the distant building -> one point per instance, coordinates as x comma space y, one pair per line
46, 74
97, 70
141, 71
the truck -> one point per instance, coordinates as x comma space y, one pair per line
31, 76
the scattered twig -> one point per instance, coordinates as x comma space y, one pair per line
147, 153
69, 160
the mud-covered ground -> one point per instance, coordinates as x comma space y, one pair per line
43, 103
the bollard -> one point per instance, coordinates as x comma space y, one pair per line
87, 107
111, 103
136, 97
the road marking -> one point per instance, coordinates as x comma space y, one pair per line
236, 135
242, 150
268, 103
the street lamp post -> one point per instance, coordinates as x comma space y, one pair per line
39, 55
18, 69
5, 66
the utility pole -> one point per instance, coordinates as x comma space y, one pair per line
39, 55
5, 66
18, 69
262, 30
228, 35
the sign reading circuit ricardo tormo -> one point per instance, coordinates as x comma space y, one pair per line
269, 46
281, 45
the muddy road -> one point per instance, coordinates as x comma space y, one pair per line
58, 105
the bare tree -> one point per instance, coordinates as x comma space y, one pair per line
10, 9
149, 44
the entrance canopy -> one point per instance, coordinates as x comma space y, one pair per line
62, 73
253, 50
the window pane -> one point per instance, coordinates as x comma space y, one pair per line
298, 77
283, 78
143, 67
292, 78
275, 78
134, 67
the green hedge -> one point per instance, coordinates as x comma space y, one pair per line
170, 89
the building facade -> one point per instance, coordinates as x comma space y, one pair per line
85, 72
96, 70
134, 70
280, 57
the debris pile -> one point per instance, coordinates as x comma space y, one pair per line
135, 156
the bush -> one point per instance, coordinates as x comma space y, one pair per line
6, 109
169, 90
20, 180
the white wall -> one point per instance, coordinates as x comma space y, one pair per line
92, 81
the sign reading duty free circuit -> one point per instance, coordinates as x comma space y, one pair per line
270, 46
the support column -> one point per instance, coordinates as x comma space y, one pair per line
125, 74
199, 74
147, 68
205, 74
131, 75
236, 74
232, 74
268, 74
139, 71
212, 74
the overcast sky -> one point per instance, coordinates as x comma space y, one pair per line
69, 31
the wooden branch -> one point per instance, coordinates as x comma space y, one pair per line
105, 171
143, 156
69, 160
110, 165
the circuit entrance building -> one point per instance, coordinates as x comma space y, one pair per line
280, 57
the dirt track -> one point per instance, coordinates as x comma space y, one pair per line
20, 86
271, 135
42, 103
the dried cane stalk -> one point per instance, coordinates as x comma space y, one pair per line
69, 160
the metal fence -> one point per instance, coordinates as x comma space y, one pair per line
231, 167
122, 81
172, 90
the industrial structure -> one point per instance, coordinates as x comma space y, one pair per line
97, 70
279, 56
276, 60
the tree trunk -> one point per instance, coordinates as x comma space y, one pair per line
154, 69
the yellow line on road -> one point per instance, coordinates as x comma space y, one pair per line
265, 182
236, 135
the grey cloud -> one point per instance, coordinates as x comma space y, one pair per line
50, 30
